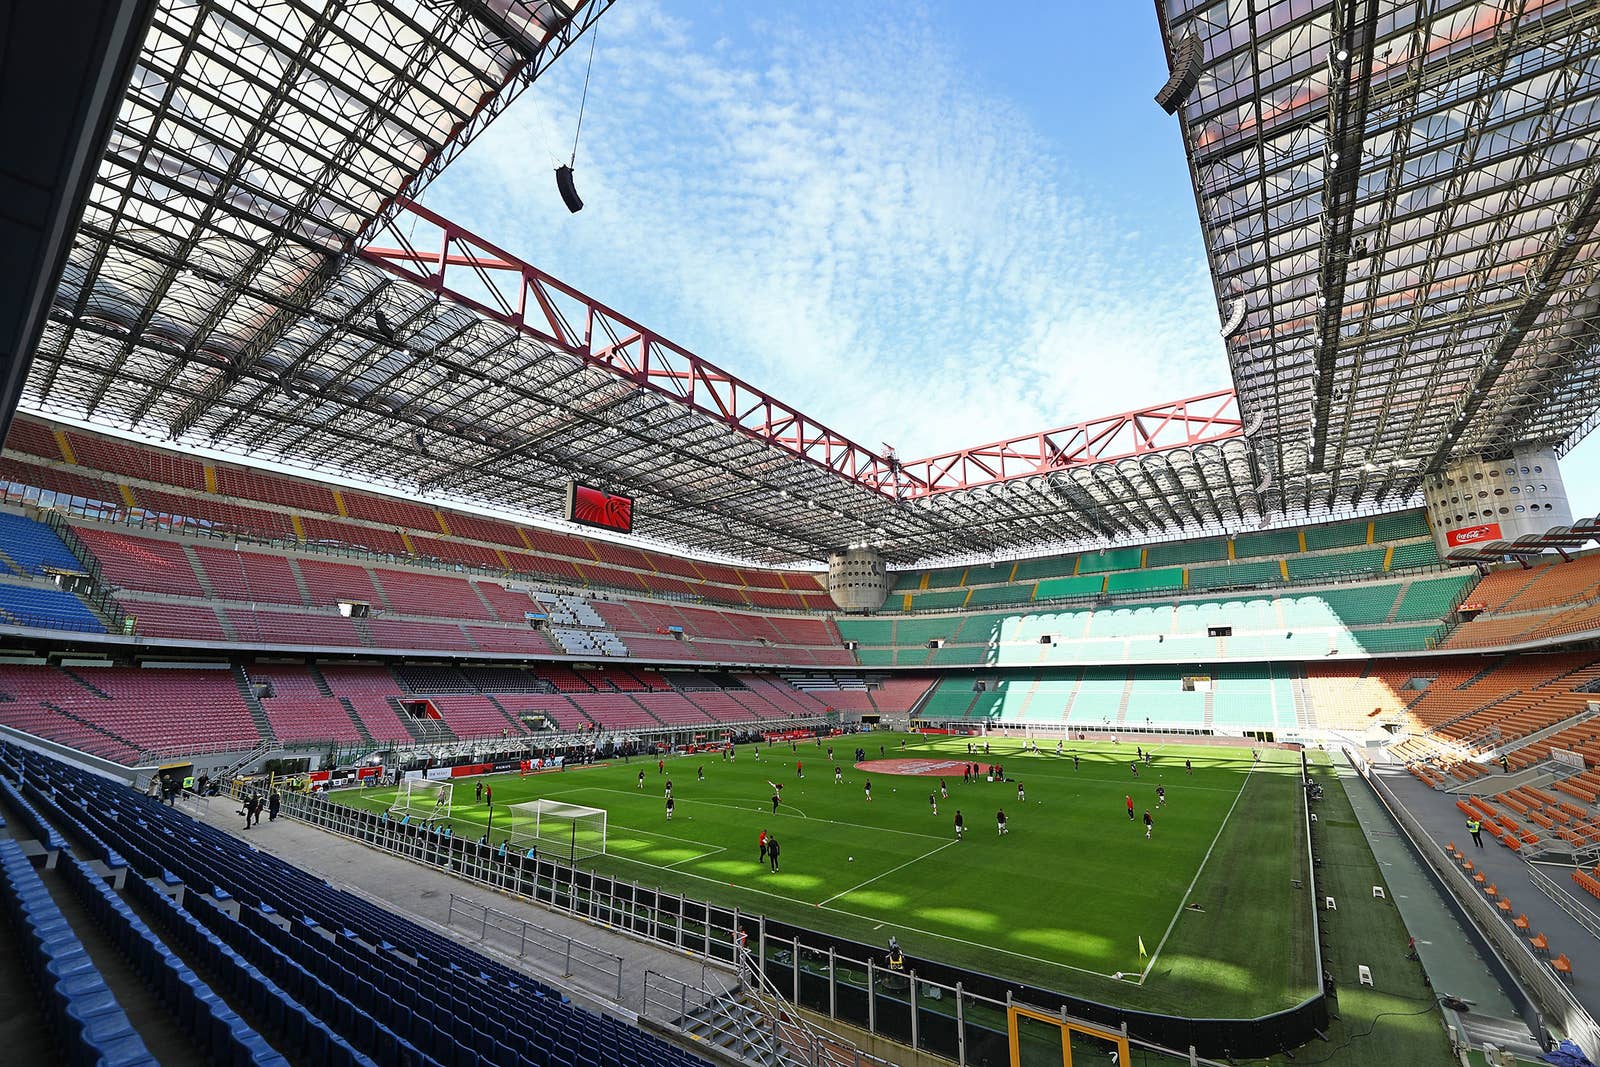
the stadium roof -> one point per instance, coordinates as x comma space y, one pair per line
252, 275
1399, 200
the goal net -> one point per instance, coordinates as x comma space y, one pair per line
569, 832
423, 800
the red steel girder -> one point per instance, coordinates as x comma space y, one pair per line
476, 274
470, 271
1204, 419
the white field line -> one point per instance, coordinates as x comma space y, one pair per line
787, 809
885, 874
1193, 881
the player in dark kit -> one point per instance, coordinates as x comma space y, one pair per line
1000, 822
772, 853
961, 826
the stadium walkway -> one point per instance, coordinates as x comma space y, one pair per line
423, 893
1452, 962
1438, 814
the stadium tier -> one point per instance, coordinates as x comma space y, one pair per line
1394, 544
125, 714
1357, 619
92, 475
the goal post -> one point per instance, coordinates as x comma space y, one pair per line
423, 800
570, 832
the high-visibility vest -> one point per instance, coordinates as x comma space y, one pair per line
1473, 826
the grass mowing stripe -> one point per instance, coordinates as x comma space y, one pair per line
1195, 880
740, 807
886, 874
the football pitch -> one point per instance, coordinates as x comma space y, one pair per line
1062, 901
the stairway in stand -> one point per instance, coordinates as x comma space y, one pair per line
247, 690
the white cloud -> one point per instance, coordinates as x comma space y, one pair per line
846, 222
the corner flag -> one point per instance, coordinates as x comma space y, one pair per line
1142, 952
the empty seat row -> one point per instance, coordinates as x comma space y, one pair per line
85, 1017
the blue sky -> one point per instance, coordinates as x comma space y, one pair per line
920, 225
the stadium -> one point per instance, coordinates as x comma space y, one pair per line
579, 678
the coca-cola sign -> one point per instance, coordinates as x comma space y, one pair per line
1489, 531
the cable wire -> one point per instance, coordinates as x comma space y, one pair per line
594, 35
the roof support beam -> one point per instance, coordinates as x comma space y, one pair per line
1350, 89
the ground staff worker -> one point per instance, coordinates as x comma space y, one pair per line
1475, 828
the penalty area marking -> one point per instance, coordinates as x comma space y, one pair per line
1150, 964
786, 809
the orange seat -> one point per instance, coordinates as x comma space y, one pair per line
1491, 891
1466, 865
1540, 943
1504, 905
1451, 846
1521, 922
1562, 965
1479, 878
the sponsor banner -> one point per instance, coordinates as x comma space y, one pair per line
318, 776
437, 773
1467, 535
469, 770
364, 773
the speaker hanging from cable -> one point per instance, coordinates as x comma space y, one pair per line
565, 184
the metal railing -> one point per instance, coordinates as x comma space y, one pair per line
578, 959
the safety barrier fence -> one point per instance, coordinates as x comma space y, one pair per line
530, 940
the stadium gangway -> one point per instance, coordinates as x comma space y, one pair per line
503, 931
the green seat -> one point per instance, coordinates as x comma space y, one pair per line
1266, 543
1336, 535
1414, 554
948, 578
1111, 559
1236, 575
943, 600
1063, 588
1395, 638
1337, 564
998, 574
866, 631
983, 596
1186, 552
1053, 567
919, 631
1406, 525
907, 581
1432, 598
1144, 581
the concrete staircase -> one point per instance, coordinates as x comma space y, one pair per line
247, 690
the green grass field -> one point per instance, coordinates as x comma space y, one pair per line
1061, 902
